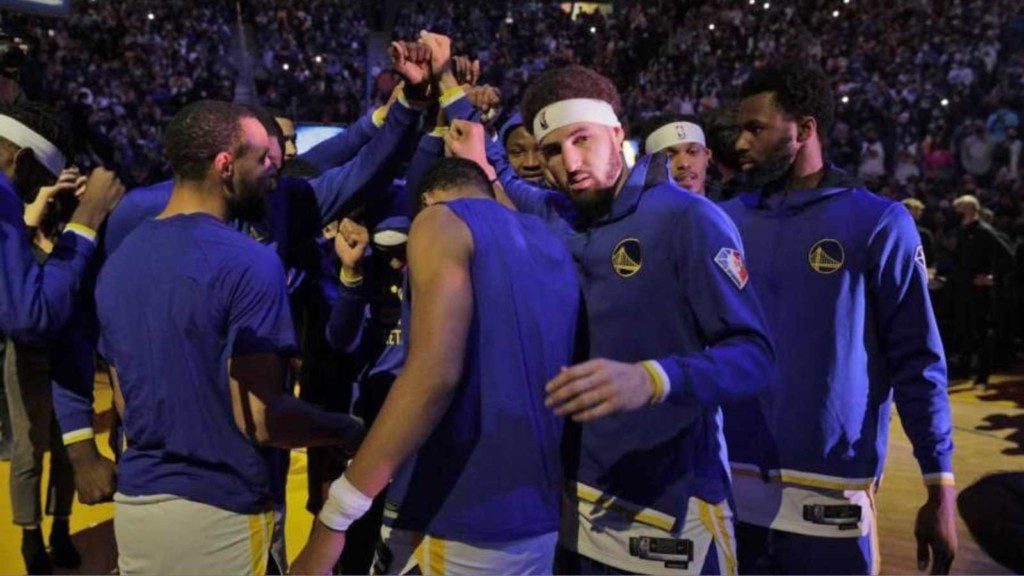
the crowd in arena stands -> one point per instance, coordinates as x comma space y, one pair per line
517, 41
913, 69
312, 58
121, 70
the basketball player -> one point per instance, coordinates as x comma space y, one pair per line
842, 275
37, 300
196, 326
464, 430
674, 331
682, 140
299, 209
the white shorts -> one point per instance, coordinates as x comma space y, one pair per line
165, 534
603, 529
788, 507
403, 552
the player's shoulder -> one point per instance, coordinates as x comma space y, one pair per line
146, 198
670, 202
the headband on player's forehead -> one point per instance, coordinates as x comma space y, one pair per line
24, 137
672, 134
565, 112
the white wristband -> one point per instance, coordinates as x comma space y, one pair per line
345, 504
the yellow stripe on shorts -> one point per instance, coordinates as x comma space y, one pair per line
728, 544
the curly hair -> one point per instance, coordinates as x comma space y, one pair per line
44, 120
564, 84
800, 89
722, 130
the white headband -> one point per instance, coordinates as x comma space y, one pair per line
555, 116
672, 134
45, 152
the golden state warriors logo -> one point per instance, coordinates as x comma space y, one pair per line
627, 258
826, 256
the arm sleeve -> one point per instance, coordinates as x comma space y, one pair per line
909, 339
339, 149
260, 316
738, 360
37, 300
345, 326
431, 148
72, 376
340, 187
527, 197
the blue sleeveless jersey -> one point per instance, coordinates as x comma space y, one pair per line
490, 471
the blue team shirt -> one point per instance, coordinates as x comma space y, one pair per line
663, 279
489, 472
177, 300
843, 280
36, 300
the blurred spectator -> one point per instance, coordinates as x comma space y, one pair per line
976, 152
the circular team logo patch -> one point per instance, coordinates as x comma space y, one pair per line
826, 256
627, 258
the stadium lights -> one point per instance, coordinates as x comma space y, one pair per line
508, 19
945, 102
711, 26
846, 1
752, 2
285, 67
50, 33
319, 59
593, 30
846, 99
835, 13
767, 5
151, 16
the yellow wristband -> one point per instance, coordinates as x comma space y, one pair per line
82, 230
658, 386
78, 436
451, 95
350, 281
379, 116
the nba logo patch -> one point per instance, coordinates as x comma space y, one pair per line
681, 132
919, 258
731, 262
544, 120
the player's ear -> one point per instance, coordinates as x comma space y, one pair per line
224, 165
806, 127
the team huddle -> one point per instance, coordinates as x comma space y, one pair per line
586, 367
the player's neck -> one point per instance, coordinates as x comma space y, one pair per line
808, 168
190, 197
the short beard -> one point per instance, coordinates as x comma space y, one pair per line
251, 208
594, 207
775, 167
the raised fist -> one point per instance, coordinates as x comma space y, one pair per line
411, 60
440, 51
465, 139
350, 244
